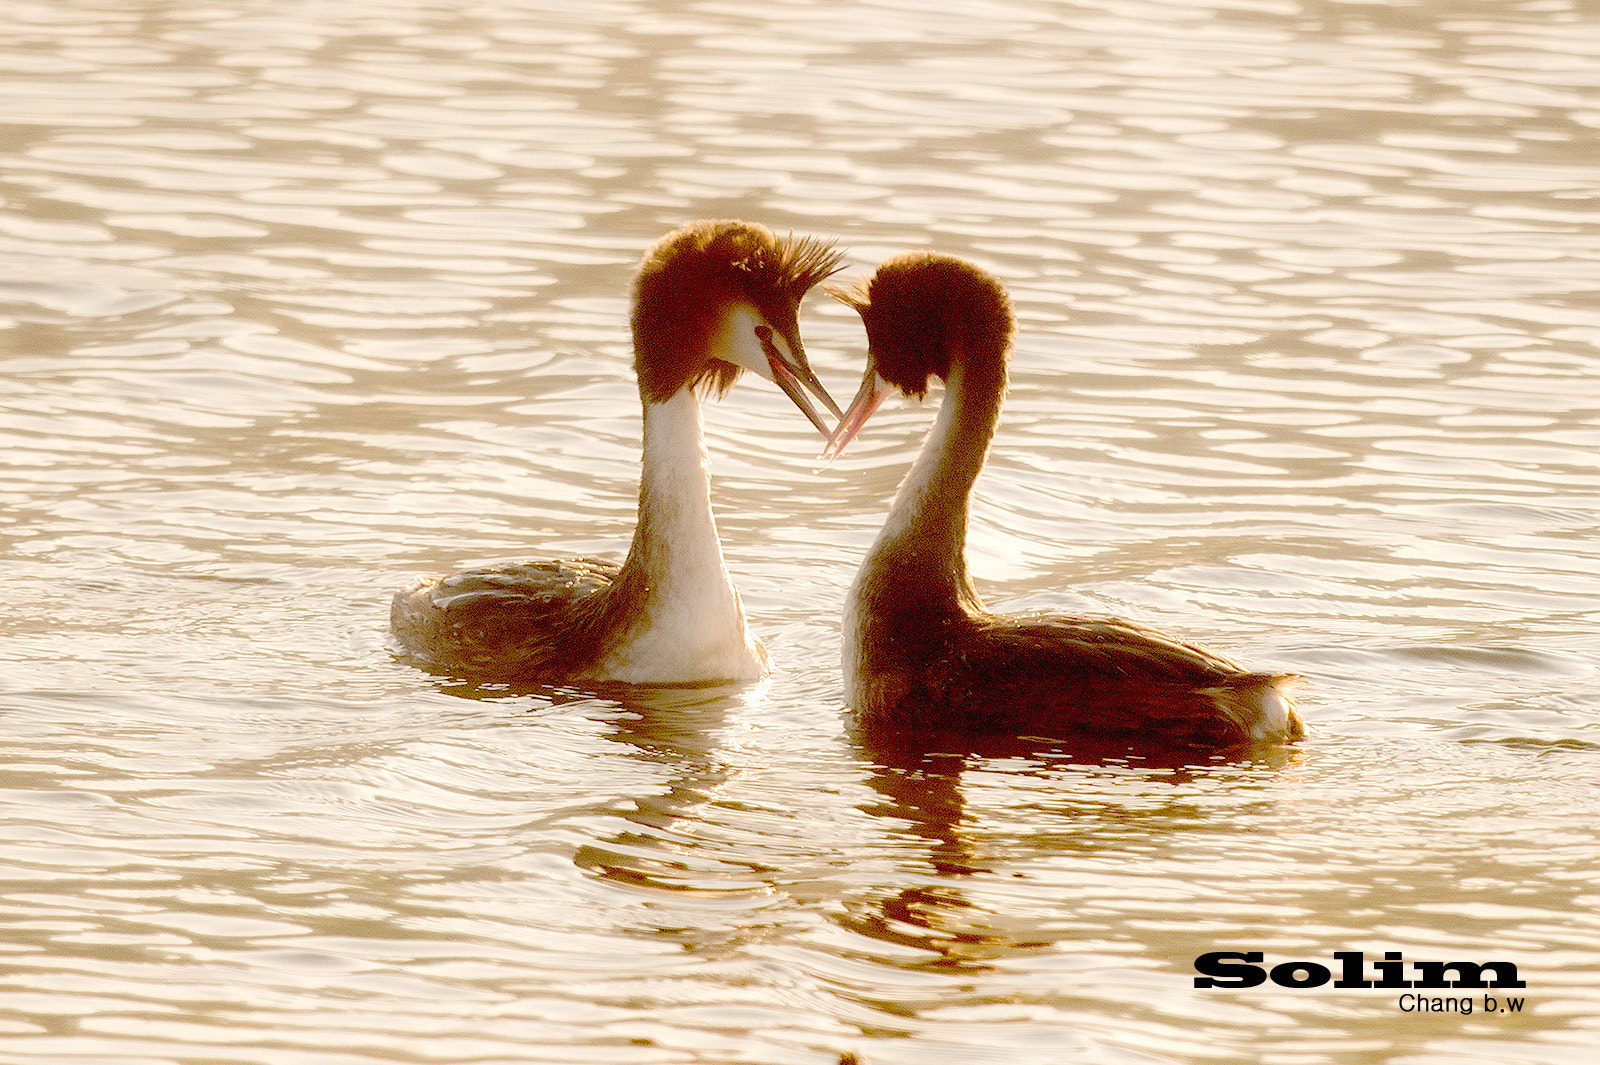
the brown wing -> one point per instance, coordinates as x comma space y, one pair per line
523, 620
1054, 675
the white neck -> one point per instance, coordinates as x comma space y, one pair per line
693, 628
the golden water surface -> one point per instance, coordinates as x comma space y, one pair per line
300, 300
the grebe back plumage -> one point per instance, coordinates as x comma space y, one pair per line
920, 650
710, 300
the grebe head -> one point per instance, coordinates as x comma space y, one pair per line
719, 297
923, 311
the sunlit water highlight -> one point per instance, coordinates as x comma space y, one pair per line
298, 302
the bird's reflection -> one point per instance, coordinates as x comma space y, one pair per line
667, 723
919, 774
935, 912
677, 729
920, 781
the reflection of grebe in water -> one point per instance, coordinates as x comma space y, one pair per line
710, 300
919, 648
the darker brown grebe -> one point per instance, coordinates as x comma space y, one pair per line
920, 650
710, 300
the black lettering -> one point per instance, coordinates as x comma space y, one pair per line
1505, 974
1390, 968
1286, 975
1222, 969
1351, 975
1514, 1005
1420, 1004
1468, 974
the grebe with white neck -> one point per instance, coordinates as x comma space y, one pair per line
710, 300
920, 649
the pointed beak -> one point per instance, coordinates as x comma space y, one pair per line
869, 397
792, 373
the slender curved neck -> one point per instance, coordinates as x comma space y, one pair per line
676, 612
675, 545
926, 532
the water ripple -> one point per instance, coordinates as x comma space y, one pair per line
295, 307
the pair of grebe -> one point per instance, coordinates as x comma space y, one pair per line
920, 650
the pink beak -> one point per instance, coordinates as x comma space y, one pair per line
874, 390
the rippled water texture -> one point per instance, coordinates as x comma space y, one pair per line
298, 301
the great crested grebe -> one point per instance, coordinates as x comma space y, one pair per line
920, 650
709, 301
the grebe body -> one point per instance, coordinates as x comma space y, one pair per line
710, 300
920, 649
